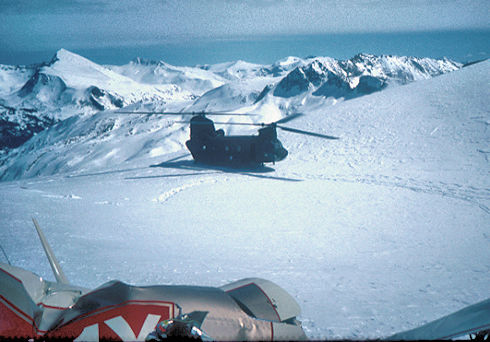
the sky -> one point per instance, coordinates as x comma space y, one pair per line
27, 26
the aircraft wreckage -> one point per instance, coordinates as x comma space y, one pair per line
248, 309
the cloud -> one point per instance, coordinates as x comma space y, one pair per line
95, 23
40, 7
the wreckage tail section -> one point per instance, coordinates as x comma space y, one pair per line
55, 265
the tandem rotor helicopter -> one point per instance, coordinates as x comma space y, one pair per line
210, 146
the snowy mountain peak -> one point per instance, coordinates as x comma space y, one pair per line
78, 71
360, 75
288, 62
149, 63
403, 69
63, 55
78, 81
143, 61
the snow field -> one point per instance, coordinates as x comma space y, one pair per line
360, 264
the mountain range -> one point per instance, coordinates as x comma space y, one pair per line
38, 96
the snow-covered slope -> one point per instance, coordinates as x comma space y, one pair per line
195, 80
70, 79
361, 75
40, 95
230, 96
13, 77
375, 233
238, 70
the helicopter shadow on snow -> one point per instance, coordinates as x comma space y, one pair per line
200, 169
195, 169
102, 173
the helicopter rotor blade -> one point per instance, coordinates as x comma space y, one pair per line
295, 130
275, 124
288, 118
225, 123
288, 129
188, 113
261, 124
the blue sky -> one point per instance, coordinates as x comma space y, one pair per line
35, 25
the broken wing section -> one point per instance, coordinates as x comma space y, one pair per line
264, 300
470, 320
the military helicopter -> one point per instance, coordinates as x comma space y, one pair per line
210, 146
